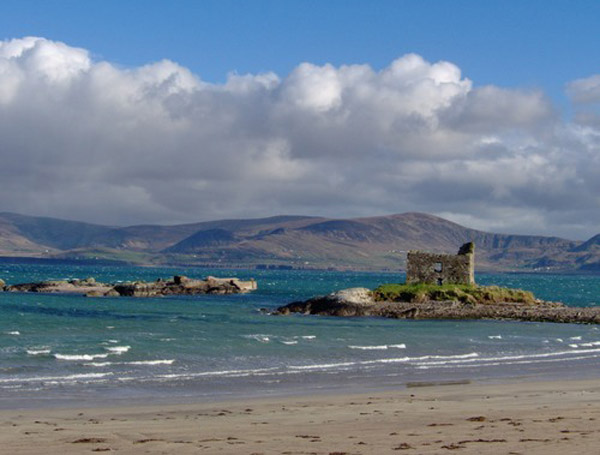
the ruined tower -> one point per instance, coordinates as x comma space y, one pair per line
441, 269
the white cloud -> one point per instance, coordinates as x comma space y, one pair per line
88, 140
585, 90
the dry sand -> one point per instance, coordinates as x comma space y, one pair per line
561, 417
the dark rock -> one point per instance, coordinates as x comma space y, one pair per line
334, 305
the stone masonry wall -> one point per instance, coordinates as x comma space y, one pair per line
434, 268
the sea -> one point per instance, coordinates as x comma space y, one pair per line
67, 350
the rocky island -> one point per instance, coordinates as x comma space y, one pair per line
442, 286
178, 285
364, 302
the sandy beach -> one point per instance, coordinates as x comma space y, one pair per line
519, 418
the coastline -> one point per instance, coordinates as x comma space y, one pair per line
537, 417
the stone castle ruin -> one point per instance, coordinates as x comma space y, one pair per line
441, 269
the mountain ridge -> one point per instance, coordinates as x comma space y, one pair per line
378, 242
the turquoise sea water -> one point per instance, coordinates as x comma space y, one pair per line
71, 350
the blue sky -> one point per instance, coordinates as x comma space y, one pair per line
126, 112
509, 43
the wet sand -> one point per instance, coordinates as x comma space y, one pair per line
520, 418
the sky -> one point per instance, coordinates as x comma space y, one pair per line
133, 112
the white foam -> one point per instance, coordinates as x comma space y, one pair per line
113, 341
328, 366
590, 344
150, 362
68, 378
308, 337
259, 337
381, 347
509, 358
495, 337
289, 343
575, 338
13, 332
98, 364
323, 366
573, 345
135, 362
38, 351
516, 362
80, 356
118, 349
227, 373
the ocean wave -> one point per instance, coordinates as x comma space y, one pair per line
328, 366
80, 356
13, 332
381, 347
98, 364
323, 366
223, 373
495, 337
515, 362
259, 337
67, 378
150, 362
38, 351
590, 344
267, 338
118, 349
508, 359
133, 362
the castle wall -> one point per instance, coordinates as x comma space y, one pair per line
434, 268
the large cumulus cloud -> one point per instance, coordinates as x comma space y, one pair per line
89, 140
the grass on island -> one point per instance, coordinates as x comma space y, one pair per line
418, 293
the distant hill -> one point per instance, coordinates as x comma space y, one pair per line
298, 241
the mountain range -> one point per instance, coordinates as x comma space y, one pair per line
374, 243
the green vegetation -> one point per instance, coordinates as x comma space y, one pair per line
418, 293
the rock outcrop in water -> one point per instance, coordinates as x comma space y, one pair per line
360, 302
89, 285
179, 285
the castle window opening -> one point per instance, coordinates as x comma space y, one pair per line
437, 267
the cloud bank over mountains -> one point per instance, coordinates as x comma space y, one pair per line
86, 139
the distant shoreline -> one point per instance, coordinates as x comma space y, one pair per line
114, 263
